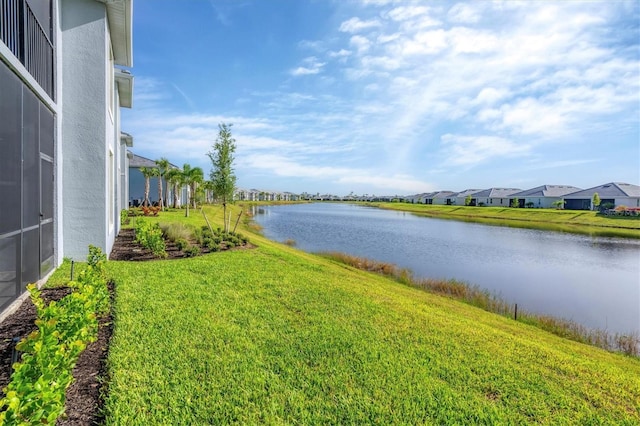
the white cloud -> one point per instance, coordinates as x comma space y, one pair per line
284, 166
404, 13
472, 150
342, 53
464, 13
311, 66
361, 43
355, 25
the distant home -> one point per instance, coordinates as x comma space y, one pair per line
543, 196
612, 194
495, 197
460, 198
137, 181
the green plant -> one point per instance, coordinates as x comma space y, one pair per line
36, 392
192, 251
181, 243
124, 217
150, 236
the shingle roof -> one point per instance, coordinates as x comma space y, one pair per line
442, 194
548, 191
496, 192
466, 192
609, 190
138, 161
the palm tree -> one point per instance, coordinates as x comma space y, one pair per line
191, 176
174, 179
147, 172
163, 168
208, 187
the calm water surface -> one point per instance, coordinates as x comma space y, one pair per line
592, 280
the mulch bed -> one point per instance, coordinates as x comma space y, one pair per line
83, 397
126, 248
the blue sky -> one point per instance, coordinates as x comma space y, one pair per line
392, 97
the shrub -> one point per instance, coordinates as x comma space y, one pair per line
176, 231
181, 243
192, 251
124, 217
150, 236
36, 392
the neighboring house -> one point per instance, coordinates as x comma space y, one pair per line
418, 198
137, 181
442, 198
543, 196
614, 194
461, 197
495, 197
61, 167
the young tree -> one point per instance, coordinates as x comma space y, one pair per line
147, 172
467, 200
222, 176
163, 168
596, 200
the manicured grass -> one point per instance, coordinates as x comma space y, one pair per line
575, 221
274, 335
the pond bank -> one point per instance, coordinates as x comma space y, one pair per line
572, 221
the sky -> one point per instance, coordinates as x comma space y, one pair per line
386, 97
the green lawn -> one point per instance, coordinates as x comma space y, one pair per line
274, 335
577, 221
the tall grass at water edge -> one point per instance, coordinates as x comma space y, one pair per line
628, 344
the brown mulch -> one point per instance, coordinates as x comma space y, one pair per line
126, 248
83, 397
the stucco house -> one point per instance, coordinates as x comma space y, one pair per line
442, 198
418, 198
544, 196
137, 182
613, 194
459, 198
62, 150
494, 197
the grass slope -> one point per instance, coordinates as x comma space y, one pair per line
274, 335
582, 222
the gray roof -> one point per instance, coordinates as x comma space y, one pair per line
138, 161
496, 192
466, 192
442, 194
548, 191
609, 190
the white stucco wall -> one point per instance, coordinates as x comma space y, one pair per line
84, 126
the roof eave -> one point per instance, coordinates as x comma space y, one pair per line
120, 18
126, 139
124, 81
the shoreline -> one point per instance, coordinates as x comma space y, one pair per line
571, 221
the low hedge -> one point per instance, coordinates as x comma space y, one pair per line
36, 392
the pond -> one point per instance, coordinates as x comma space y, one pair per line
591, 280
